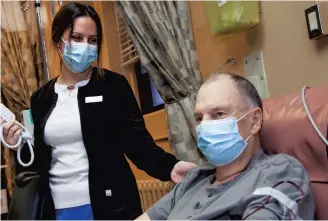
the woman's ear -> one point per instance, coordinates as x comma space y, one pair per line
257, 120
58, 48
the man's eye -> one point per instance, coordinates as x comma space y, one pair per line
220, 113
199, 119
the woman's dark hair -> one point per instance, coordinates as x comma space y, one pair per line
66, 16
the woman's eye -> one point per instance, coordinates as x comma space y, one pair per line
199, 119
76, 38
93, 41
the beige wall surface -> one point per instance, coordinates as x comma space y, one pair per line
291, 59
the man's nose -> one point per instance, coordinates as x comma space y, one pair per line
207, 117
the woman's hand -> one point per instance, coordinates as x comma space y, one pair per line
11, 133
180, 171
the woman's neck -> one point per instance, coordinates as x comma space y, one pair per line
70, 79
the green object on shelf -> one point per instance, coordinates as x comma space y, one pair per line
227, 17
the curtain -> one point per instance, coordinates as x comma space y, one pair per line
162, 34
21, 67
34, 38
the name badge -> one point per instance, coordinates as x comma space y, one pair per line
95, 99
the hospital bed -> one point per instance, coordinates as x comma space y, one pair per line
286, 129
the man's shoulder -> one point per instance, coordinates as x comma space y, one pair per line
198, 174
279, 167
277, 160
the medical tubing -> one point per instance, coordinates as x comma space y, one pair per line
12, 146
25, 137
310, 117
269, 197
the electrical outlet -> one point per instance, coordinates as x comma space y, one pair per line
255, 72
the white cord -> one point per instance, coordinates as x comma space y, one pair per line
310, 117
13, 146
24, 137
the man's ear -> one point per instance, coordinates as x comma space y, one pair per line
257, 120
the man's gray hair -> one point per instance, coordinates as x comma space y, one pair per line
244, 86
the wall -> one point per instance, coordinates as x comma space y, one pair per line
52, 52
213, 51
106, 9
291, 60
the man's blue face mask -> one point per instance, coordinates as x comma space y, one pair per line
78, 57
220, 141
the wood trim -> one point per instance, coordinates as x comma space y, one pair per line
154, 113
53, 58
127, 48
129, 54
156, 124
105, 63
4, 166
111, 36
125, 32
131, 61
126, 37
126, 43
160, 138
129, 73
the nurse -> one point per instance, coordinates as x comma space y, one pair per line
86, 122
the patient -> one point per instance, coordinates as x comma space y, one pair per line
240, 181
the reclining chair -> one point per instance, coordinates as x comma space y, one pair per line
287, 129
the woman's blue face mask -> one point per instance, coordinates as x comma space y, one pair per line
78, 57
220, 140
